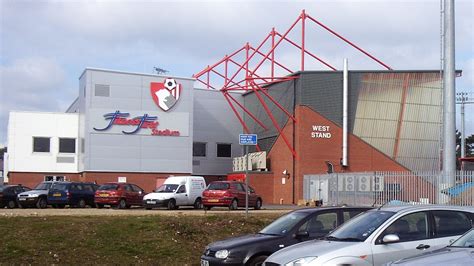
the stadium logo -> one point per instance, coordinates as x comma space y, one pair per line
165, 94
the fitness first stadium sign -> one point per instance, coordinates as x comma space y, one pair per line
320, 132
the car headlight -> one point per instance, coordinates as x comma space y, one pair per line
33, 195
222, 254
301, 261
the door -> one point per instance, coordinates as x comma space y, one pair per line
139, 193
129, 194
240, 191
413, 231
449, 225
181, 196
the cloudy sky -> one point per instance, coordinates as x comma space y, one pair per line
45, 45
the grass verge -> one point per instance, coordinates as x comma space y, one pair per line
163, 240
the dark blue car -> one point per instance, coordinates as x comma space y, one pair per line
74, 194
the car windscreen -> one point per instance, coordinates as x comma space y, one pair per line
167, 188
218, 186
108, 187
360, 227
58, 186
283, 224
465, 241
43, 186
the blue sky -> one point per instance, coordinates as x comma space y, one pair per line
45, 45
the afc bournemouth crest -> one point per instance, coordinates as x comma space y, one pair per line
165, 94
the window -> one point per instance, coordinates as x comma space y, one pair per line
102, 90
451, 223
240, 187
410, 227
320, 225
136, 188
53, 178
67, 145
181, 189
41, 144
350, 214
199, 149
224, 150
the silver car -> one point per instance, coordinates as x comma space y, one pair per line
458, 253
381, 235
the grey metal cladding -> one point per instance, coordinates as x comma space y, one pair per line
323, 93
102, 90
284, 94
64, 159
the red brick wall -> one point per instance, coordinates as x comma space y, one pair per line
263, 185
32, 179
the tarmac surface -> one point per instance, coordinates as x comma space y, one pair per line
266, 209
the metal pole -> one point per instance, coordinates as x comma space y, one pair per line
345, 112
463, 137
449, 158
246, 181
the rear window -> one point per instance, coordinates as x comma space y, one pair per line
59, 186
108, 187
218, 186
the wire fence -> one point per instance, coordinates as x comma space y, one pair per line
377, 188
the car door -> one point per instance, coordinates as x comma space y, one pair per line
139, 193
240, 191
181, 196
128, 193
449, 225
414, 231
252, 196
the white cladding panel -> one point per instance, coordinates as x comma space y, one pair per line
143, 151
23, 126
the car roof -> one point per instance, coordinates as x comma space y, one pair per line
318, 209
408, 208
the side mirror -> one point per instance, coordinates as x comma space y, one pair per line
301, 235
391, 238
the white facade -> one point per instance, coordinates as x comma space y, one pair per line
24, 126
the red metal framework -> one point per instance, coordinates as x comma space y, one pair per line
242, 70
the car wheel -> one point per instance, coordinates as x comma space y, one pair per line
42, 203
61, 206
122, 204
99, 206
258, 204
233, 205
171, 204
257, 261
198, 204
147, 208
207, 208
81, 204
11, 204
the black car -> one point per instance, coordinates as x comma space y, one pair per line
74, 194
294, 227
8, 195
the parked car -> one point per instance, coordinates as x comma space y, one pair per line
38, 197
120, 195
460, 252
229, 194
74, 194
289, 229
177, 191
381, 235
8, 195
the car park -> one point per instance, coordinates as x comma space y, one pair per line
230, 194
74, 194
8, 195
38, 197
119, 195
460, 252
294, 227
177, 191
381, 235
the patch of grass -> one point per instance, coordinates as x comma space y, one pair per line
163, 240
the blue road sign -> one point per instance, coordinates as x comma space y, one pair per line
248, 139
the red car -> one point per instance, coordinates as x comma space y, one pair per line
119, 195
229, 194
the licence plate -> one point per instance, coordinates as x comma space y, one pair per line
213, 200
104, 195
57, 195
151, 202
204, 262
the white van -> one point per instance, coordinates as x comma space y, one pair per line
177, 191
